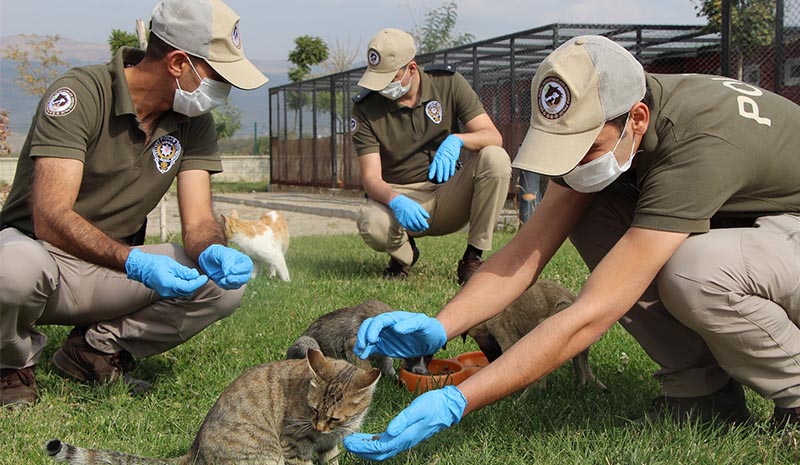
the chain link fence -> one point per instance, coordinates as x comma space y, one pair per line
310, 137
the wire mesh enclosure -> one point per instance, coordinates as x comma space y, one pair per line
310, 135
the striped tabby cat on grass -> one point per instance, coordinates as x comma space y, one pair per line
264, 240
282, 412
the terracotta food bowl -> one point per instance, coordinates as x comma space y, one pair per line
444, 372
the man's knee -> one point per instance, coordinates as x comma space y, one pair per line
373, 226
494, 162
685, 292
226, 301
27, 271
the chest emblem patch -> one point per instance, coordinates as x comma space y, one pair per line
554, 98
61, 102
434, 111
166, 151
353, 125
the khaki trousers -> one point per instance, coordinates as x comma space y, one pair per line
474, 195
726, 304
41, 284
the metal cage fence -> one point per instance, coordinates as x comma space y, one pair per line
310, 136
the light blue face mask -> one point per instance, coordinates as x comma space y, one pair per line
395, 89
602, 171
209, 95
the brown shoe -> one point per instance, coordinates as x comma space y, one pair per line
17, 387
726, 405
466, 268
78, 360
396, 270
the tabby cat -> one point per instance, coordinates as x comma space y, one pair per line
334, 333
281, 412
264, 240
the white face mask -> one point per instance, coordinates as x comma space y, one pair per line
209, 95
600, 172
395, 89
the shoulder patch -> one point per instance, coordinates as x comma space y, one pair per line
360, 96
61, 102
440, 68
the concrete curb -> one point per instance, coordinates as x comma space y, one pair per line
276, 205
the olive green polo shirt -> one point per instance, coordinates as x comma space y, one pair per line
407, 137
87, 114
716, 148
717, 152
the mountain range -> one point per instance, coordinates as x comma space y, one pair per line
253, 104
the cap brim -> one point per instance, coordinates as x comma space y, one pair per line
242, 74
553, 154
374, 80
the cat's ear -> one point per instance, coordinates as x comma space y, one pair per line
223, 218
367, 379
317, 362
234, 214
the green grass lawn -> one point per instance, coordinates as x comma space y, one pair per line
563, 425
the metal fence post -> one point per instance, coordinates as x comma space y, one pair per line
778, 55
725, 57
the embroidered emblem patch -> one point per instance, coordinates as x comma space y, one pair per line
554, 98
61, 102
434, 111
237, 40
166, 151
353, 125
373, 57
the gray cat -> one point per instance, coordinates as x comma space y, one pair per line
542, 300
334, 333
281, 412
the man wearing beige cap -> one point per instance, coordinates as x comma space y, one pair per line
680, 192
406, 132
106, 143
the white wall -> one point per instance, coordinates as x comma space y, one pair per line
238, 168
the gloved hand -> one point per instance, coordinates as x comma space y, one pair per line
428, 414
444, 162
399, 334
163, 274
227, 267
409, 214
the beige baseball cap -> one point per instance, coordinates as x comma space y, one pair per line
388, 51
207, 29
583, 83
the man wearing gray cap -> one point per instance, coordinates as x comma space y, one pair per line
680, 192
105, 145
406, 132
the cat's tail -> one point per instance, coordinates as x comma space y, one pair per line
63, 452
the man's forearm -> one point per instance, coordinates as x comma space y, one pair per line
477, 140
197, 238
75, 235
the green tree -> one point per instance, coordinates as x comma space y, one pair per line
752, 24
38, 63
438, 29
119, 38
227, 120
308, 51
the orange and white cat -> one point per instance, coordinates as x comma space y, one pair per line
264, 240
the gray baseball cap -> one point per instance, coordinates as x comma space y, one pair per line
207, 29
583, 83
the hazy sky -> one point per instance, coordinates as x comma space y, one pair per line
269, 27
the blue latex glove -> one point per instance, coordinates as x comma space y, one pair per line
409, 214
430, 413
163, 274
400, 334
444, 162
227, 267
